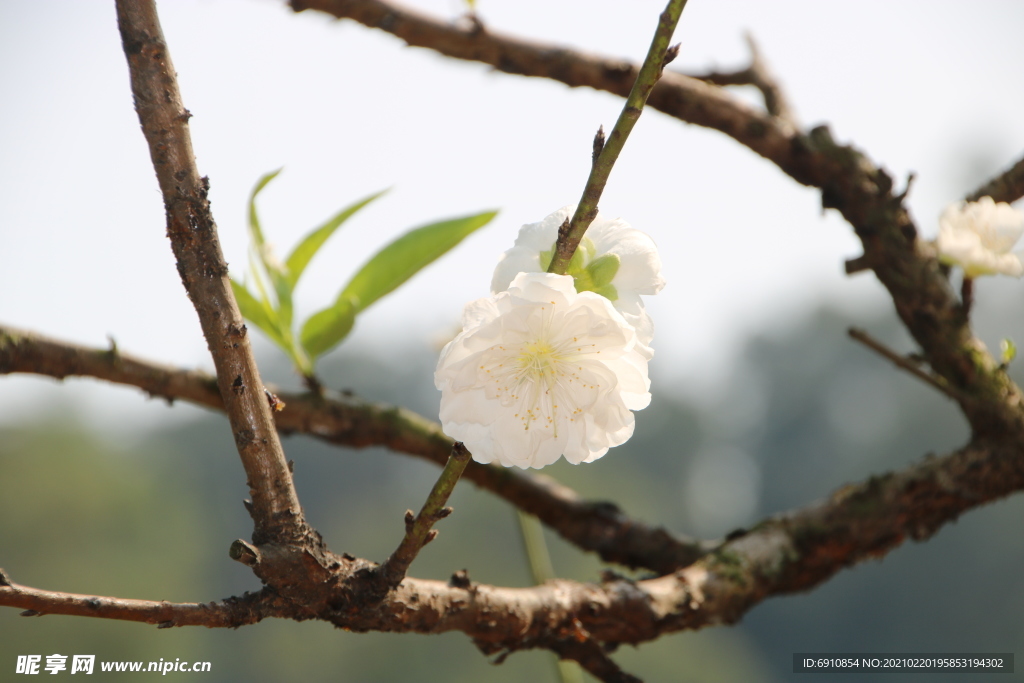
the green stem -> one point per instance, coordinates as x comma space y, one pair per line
418, 531
658, 56
536, 548
541, 569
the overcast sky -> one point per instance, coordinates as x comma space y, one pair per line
925, 86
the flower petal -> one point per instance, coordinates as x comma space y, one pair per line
524, 256
540, 372
543, 288
640, 265
978, 236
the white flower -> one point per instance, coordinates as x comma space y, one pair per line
978, 236
540, 371
613, 260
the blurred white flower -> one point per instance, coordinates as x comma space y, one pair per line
614, 260
978, 236
540, 371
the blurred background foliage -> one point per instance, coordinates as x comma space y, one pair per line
804, 411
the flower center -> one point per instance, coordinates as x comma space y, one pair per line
541, 380
538, 359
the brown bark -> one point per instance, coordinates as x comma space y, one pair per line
783, 554
204, 272
231, 613
1007, 187
849, 182
346, 420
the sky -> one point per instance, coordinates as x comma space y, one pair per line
922, 86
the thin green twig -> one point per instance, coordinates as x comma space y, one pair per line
605, 155
418, 531
536, 548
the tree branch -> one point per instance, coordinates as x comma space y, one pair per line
1007, 187
592, 657
759, 75
783, 554
229, 613
902, 362
418, 529
849, 182
677, 95
348, 421
193, 234
856, 265
606, 151
788, 553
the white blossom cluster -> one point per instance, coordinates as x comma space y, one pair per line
552, 365
979, 236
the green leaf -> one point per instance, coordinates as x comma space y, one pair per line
282, 293
254, 221
283, 289
275, 272
259, 279
258, 313
311, 243
403, 258
325, 329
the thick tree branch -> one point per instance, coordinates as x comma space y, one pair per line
348, 421
1007, 187
686, 98
783, 554
230, 613
193, 234
848, 180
